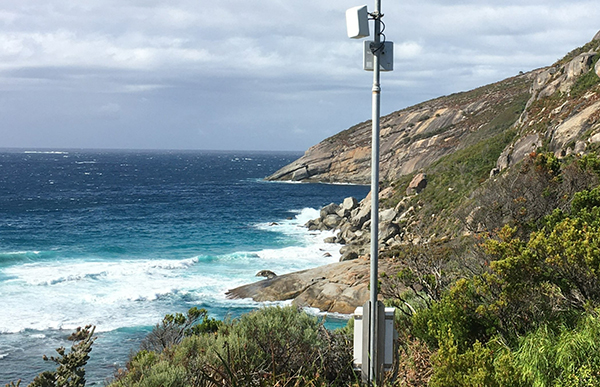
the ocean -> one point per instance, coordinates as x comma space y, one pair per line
118, 239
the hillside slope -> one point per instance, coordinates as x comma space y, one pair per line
556, 107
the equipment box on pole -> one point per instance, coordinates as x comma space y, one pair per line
386, 56
389, 337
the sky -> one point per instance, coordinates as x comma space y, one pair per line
250, 75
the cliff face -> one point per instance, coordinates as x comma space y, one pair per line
413, 138
556, 107
563, 113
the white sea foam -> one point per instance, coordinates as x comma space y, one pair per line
111, 294
56, 295
67, 294
48, 152
287, 182
311, 251
8, 253
317, 312
293, 226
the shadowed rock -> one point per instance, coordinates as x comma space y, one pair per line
266, 274
417, 184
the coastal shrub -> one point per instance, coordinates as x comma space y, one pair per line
529, 316
70, 371
552, 279
273, 346
426, 271
459, 312
174, 327
473, 367
284, 335
414, 362
490, 364
284, 343
532, 318
137, 367
164, 374
562, 357
525, 195
149, 369
585, 206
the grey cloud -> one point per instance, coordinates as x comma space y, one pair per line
236, 74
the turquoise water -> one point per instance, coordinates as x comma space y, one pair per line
119, 239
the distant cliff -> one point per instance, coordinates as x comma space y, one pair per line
556, 107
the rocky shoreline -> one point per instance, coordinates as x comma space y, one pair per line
338, 287
352, 220
342, 286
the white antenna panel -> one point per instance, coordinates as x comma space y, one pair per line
357, 22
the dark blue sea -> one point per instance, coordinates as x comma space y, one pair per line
118, 239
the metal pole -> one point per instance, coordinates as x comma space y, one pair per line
374, 361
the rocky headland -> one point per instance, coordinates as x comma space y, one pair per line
552, 106
425, 176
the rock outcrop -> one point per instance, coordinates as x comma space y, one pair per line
548, 107
336, 288
411, 139
417, 184
563, 111
266, 274
352, 220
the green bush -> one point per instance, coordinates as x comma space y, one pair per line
164, 374
174, 327
271, 346
532, 318
147, 369
473, 367
70, 371
567, 357
459, 313
281, 343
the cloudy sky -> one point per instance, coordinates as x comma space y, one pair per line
250, 75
